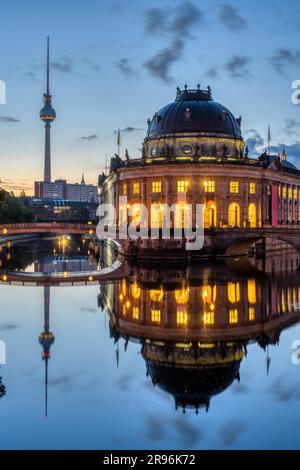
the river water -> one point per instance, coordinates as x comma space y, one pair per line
199, 357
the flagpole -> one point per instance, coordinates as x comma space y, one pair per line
269, 139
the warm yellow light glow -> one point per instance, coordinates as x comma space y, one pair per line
135, 313
124, 189
233, 289
233, 316
252, 215
251, 313
210, 213
136, 188
181, 317
127, 304
121, 297
155, 316
252, 188
4, 278
234, 187
209, 318
135, 291
156, 295
182, 296
91, 278
182, 186
252, 291
234, 219
5, 231
156, 186
209, 186
284, 192
290, 193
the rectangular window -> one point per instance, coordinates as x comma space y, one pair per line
233, 316
156, 186
251, 313
182, 186
234, 187
295, 193
209, 186
135, 313
284, 191
181, 317
124, 189
209, 318
290, 193
155, 316
252, 188
136, 188
279, 191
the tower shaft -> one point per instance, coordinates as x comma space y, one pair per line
47, 168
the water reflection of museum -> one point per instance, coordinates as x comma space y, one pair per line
194, 334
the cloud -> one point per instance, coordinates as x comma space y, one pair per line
230, 18
8, 327
237, 66
64, 65
124, 66
155, 20
159, 65
93, 65
212, 72
255, 142
131, 129
155, 429
292, 127
88, 309
9, 119
124, 382
284, 392
283, 58
188, 434
231, 432
89, 137
177, 23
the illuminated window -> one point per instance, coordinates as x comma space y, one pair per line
124, 310
135, 291
124, 189
290, 193
155, 316
233, 289
181, 317
156, 186
209, 294
182, 186
233, 316
252, 188
234, 187
284, 191
209, 186
279, 191
251, 313
135, 313
182, 296
209, 316
156, 295
136, 188
234, 215
295, 193
251, 291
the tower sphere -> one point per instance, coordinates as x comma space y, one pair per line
47, 114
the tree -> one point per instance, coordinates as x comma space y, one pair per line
13, 210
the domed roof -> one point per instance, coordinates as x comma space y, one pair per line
288, 165
194, 111
193, 388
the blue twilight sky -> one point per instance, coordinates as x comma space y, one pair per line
116, 63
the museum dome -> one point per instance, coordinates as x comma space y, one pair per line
194, 111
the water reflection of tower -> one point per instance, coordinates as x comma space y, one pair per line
46, 339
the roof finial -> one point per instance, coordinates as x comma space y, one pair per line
185, 87
283, 154
198, 86
82, 179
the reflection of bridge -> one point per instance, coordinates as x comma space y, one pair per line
47, 227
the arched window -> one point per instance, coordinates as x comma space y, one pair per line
252, 215
210, 215
234, 215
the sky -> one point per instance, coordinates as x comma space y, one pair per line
114, 64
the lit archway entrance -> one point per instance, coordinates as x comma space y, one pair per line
157, 215
210, 215
252, 215
234, 215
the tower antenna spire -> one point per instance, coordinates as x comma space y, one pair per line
48, 65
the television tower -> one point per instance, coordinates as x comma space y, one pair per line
47, 115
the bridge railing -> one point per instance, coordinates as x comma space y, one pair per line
5, 228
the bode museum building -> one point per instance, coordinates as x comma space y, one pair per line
194, 153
